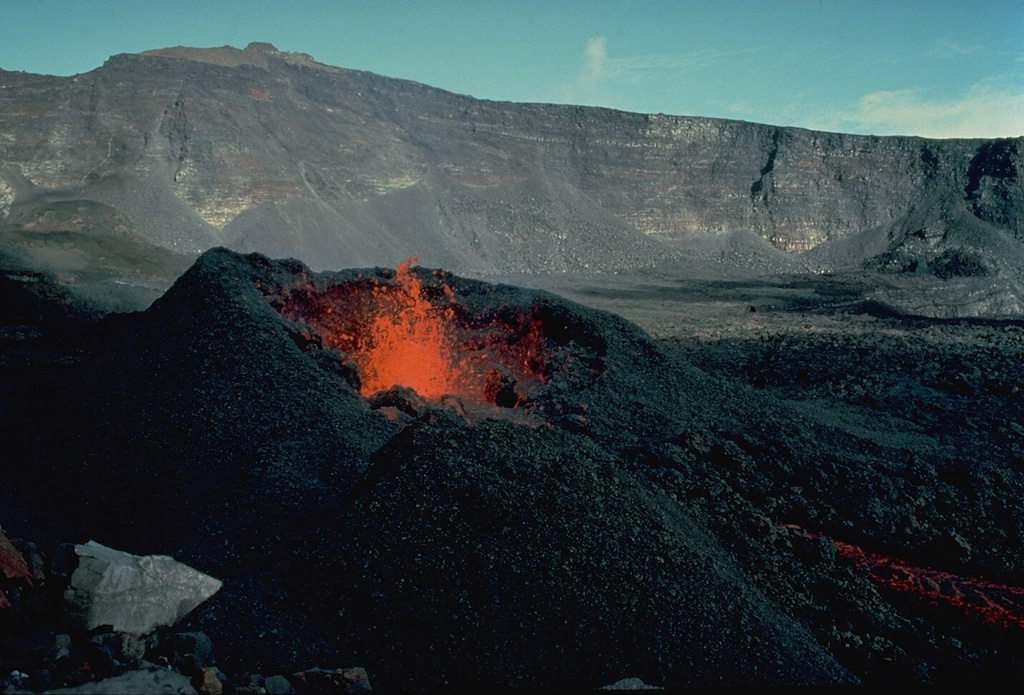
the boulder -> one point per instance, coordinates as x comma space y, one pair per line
150, 679
12, 563
630, 684
131, 593
12, 566
319, 681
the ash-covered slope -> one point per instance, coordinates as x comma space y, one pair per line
610, 511
262, 150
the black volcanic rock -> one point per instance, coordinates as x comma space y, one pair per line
631, 516
262, 150
213, 428
530, 559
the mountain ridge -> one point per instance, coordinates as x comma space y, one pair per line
262, 150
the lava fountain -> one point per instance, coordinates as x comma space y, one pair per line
403, 332
407, 342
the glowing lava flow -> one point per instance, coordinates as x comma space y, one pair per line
995, 604
408, 344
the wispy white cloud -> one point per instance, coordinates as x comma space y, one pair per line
601, 73
989, 109
597, 67
954, 47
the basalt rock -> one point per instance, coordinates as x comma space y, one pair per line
629, 514
217, 389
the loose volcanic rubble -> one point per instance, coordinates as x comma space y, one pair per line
573, 504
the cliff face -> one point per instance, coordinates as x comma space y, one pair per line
263, 150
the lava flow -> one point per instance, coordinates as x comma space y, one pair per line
403, 333
995, 604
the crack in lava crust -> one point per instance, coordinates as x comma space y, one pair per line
403, 332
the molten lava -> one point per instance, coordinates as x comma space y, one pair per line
402, 332
995, 604
407, 342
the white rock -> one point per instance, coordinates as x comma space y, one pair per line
149, 680
630, 684
132, 593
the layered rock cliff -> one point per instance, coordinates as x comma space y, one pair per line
263, 150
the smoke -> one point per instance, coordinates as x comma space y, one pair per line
597, 68
598, 71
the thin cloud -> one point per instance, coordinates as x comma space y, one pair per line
953, 47
601, 72
597, 68
986, 110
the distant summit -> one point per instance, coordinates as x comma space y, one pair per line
258, 53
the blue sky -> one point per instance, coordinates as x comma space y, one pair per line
937, 68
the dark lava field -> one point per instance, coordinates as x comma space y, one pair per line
695, 481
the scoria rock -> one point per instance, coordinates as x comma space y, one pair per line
12, 566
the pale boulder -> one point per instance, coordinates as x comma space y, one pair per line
131, 593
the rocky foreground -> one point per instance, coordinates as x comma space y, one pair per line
689, 513
91, 619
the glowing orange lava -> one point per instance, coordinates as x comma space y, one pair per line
995, 604
414, 333
407, 341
